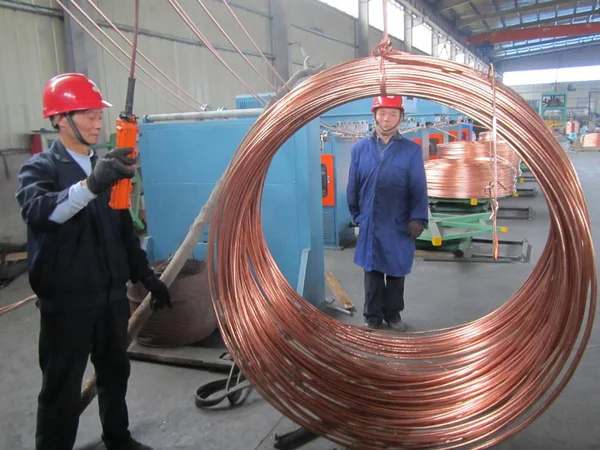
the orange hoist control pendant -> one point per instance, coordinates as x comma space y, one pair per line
127, 132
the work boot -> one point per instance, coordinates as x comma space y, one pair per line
375, 324
397, 324
130, 444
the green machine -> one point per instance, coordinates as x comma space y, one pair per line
136, 202
554, 108
482, 205
459, 237
455, 232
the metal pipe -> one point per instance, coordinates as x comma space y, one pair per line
203, 115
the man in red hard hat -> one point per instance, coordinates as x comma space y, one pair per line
81, 255
387, 197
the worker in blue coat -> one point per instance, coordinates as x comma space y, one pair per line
81, 255
387, 197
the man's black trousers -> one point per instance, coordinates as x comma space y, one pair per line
67, 339
384, 297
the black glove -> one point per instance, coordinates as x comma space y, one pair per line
159, 291
112, 167
415, 229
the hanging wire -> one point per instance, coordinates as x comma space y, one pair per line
112, 41
494, 158
234, 45
255, 45
107, 50
186, 18
154, 66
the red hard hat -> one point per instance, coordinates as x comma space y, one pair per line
71, 92
387, 102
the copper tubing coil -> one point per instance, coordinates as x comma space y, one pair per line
591, 141
480, 149
503, 148
468, 178
468, 386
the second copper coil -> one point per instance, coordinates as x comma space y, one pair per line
591, 141
503, 149
467, 178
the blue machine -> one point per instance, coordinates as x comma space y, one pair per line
356, 116
181, 163
247, 101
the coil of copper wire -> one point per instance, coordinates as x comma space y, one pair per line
468, 178
471, 385
591, 141
503, 148
461, 150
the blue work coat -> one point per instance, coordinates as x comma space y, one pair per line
387, 189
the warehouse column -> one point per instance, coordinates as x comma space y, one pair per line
82, 52
435, 42
279, 39
362, 29
408, 29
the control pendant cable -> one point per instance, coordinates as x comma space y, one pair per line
471, 385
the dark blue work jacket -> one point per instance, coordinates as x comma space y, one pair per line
87, 260
387, 189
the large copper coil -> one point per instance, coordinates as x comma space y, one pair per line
473, 149
591, 141
461, 150
468, 178
471, 385
503, 149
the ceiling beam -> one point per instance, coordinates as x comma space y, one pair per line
494, 15
449, 4
552, 21
536, 44
497, 37
545, 51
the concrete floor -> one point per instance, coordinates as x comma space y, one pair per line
438, 294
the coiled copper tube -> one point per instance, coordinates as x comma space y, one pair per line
471, 385
591, 141
503, 148
468, 178
478, 149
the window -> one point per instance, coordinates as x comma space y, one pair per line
567, 74
422, 38
444, 50
350, 7
395, 17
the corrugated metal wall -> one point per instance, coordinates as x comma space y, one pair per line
31, 51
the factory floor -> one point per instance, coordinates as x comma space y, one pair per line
438, 294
